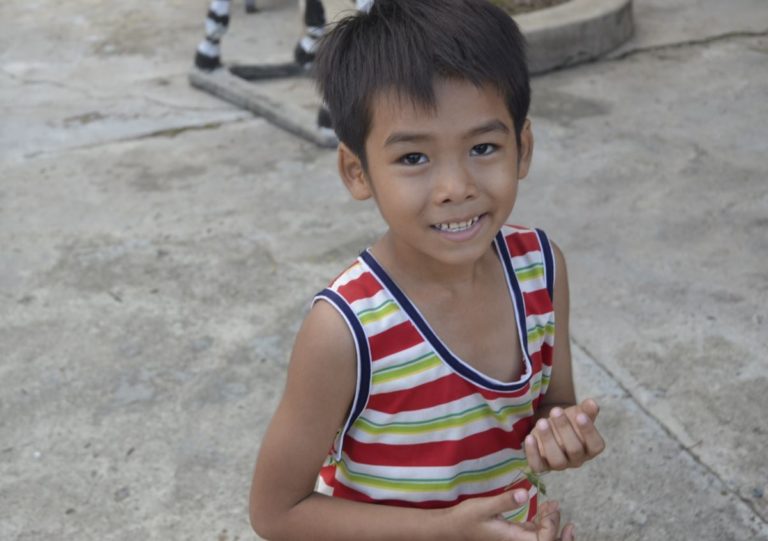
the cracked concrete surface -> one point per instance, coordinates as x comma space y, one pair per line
160, 247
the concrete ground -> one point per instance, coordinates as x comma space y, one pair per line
159, 247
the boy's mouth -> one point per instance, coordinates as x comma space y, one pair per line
457, 227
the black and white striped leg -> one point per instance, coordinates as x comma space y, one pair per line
324, 120
314, 26
208, 55
364, 5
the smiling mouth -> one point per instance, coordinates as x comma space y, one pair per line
456, 227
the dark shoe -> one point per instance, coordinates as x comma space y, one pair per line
250, 6
324, 120
207, 63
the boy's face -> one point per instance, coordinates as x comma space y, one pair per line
445, 180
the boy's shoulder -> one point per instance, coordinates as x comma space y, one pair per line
356, 286
352, 272
531, 258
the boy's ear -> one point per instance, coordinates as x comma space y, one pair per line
352, 173
526, 150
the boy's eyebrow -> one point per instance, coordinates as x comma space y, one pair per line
411, 137
405, 137
491, 125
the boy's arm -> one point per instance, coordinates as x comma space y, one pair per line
560, 392
564, 435
319, 390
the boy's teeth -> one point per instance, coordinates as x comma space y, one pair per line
455, 227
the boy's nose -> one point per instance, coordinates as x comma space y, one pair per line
454, 184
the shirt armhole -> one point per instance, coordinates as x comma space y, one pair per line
362, 350
549, 263
549, 277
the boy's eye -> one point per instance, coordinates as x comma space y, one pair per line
483, 149
414, 158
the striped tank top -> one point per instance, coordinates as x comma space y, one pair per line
425, 429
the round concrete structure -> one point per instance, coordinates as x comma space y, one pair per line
576, 31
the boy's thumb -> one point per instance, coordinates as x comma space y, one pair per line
507, 501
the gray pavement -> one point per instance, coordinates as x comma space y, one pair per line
160, 247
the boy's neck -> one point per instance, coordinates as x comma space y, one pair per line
411, 269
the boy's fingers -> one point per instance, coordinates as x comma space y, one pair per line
590, 407
550, 522
552, 453
567, 436
593, 441
535, 462
547, 507
506, 501
569, 533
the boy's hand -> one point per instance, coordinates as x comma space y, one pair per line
567, 439
480, 519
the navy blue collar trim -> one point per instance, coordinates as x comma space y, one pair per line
442, 350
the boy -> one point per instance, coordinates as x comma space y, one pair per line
431, 368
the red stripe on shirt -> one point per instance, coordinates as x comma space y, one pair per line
394, 339
522, 243
435, 393
547, 353
537, 302
364, 286
340, 490
438, 453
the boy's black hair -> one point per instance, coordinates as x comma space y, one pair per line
404, 45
